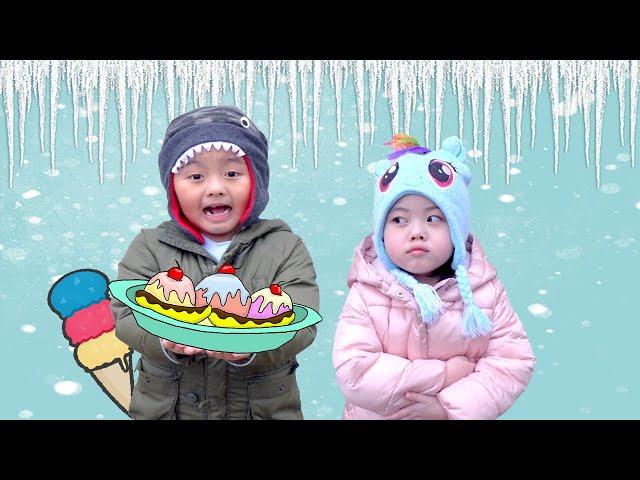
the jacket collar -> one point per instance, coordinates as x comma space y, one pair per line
172, 234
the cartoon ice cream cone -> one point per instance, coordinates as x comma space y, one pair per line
80, 299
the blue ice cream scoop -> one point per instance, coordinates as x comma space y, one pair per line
77, 290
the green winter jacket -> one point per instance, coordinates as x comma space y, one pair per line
201, 387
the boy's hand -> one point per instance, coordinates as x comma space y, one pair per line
187, 350
228, 357
426, 407
180, 349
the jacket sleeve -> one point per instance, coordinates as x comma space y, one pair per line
367, 376
501, 375
140, 263
297, 276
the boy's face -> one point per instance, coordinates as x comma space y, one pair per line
213, 190
416, 235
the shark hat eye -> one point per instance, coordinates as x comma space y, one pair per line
441, 172
388, 177
245, 122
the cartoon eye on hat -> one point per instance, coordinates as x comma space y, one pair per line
244, 121
388, 177
441, 172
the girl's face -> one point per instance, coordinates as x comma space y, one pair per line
416, 235
213, 190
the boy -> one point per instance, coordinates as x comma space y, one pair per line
213, 164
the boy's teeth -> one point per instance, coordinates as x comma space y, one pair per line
217, 210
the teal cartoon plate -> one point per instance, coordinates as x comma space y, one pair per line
211, 338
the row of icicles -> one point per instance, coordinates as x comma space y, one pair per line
405, 84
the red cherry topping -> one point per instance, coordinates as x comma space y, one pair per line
175, 273
276, 289
226, 268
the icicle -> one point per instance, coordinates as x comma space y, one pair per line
121, 95
535, 88
505, 90
473, 78
587, 76
488, 104
89, 79
358, 83
426, 71
201, 83
72, 78
41, 71
53, 105
169, 88
552, 74
217, 82
407, 79
22, 75
566, 73
317, 91
519, 76
458, 86
620, 76
273, 78
234, 67
135, 81
391, 91
602, 85
337, 70
373, 68
6, 77
103, 96
441, 70
304, 67
184, 73
250, 68
634, 78
151, 84
292, 77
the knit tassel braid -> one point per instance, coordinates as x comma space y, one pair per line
426, 296
475, 322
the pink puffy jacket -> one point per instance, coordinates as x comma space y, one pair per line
382, 349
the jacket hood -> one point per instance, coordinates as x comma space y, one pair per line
367, 268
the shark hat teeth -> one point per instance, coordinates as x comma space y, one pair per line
208, 146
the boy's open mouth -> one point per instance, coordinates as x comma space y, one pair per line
217, 210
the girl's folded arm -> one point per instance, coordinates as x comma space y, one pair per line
367, 376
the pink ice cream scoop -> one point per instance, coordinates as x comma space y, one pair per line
269, 302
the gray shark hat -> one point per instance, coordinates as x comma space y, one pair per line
220, 127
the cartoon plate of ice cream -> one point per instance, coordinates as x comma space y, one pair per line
172, 294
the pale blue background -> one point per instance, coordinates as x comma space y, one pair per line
561, 235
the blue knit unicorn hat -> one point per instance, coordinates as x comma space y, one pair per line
441, 176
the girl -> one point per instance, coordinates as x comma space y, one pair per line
427, 330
